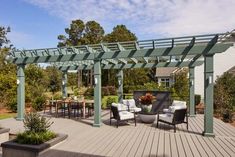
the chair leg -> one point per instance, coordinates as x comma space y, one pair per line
117, 123
135, 121
174, 128
157, 123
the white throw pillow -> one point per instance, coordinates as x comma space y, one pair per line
131, 103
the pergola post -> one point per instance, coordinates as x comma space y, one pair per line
20, 91
97, 93
208, 95
120, 85
191, 92
64, 84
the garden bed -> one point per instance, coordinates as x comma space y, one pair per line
11, 148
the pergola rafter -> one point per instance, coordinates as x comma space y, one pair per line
186, 51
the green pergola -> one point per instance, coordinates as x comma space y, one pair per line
189, 51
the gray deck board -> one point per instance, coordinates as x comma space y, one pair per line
143, 140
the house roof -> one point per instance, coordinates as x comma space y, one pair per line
165, 71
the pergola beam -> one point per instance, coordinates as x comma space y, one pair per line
168, 51
138, 65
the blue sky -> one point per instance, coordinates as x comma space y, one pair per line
36, 23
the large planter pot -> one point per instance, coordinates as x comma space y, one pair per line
147, 118
11, 148
4, 134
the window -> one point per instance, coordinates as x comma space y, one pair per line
165, 82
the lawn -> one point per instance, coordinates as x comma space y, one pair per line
7, 115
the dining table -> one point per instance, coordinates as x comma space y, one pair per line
84, 102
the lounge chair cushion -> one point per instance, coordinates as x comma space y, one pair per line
126, 115
166, 117
131, 104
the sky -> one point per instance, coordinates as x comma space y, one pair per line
37, 23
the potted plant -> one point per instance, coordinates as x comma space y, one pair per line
146, 102
36, 138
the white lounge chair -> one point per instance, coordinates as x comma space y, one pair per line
117, 113
130, 103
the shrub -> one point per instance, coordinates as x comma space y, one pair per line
38, 102
108, 100
112, 90
33, 122
197, 99
28, 137
12, 104
36, 130
57, 96
105, 91
89, 92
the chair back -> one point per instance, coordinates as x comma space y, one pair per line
115, 112
179, 115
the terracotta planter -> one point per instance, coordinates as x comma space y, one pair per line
11, 148
4, 134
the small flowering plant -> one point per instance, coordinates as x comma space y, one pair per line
147, 99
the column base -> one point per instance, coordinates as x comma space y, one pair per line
97, 125
208, 134
19, 119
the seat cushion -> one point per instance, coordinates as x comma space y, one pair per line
166, 117
124, 115
136, 109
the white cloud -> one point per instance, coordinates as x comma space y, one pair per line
149, 17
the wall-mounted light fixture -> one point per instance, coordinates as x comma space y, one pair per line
63, 82
96, 81
210, 79
17, 81
119, 82
192, 83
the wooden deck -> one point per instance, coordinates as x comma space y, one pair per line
142, 140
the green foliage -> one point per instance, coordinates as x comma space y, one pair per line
120, 33
224, 96
72, 79
80, 33
33, 122
181, 85
39, 102
53, 78
3, 35
197, 99
108, 100
108, 90
37, 130
58, 96
33, 138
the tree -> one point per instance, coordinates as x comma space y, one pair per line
181, 85
120, 33
7, 74
53, 78
74, 33
3, 35
224, 95
80, 33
